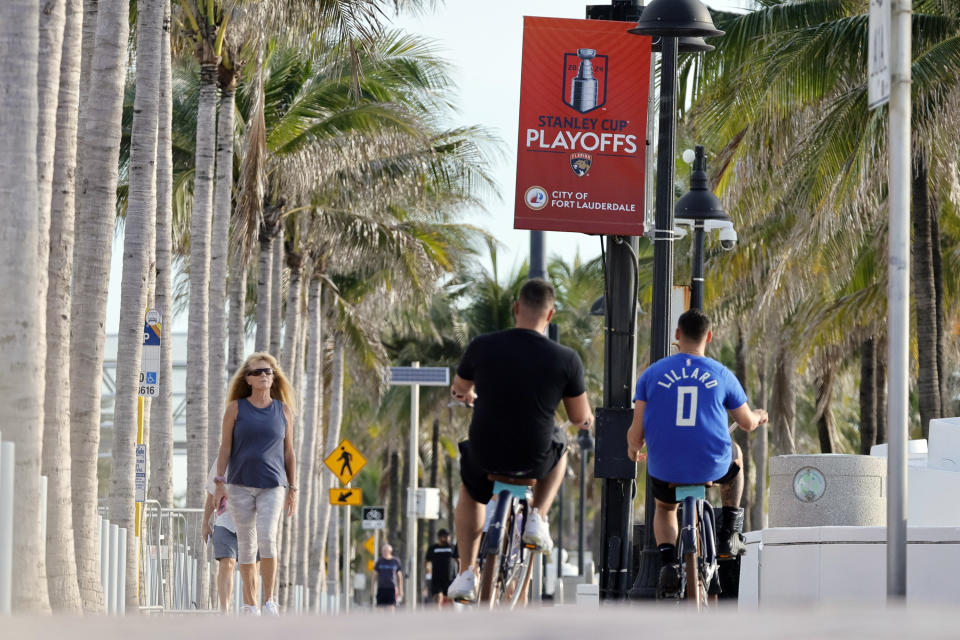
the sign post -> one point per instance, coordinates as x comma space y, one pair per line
414, 376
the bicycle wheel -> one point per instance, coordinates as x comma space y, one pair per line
515, 566
496, 541
692, 579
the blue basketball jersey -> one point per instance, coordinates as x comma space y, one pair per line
685, 420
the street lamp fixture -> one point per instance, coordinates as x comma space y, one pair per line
676, 19
699, 208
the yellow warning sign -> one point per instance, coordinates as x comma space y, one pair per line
369, 565
345, 461
345, 497
368, 545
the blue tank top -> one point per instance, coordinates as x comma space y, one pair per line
685, 420
256, 457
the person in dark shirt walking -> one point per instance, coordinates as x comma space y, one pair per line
389, 578
442, 557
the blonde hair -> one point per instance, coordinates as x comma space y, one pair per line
281, 389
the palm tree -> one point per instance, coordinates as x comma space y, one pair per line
160, 450
22, 317
100, 123
138, 244
62, 571
207, 26
794, 71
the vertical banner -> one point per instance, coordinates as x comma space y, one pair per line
583, 122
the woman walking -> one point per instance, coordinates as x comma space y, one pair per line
257, 447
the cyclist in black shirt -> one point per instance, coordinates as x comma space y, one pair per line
442, 557
517, 378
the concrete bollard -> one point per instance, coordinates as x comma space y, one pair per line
827, 490
588, 595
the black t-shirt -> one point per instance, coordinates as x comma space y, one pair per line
442, 557
387, 572
520, 376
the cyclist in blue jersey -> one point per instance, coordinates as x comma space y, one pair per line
680, 413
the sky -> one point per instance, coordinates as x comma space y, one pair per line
482, 42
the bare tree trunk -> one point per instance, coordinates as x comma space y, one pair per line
22, 314
198, 336
138, 237
868, 396
219, 250
925, 297
62, 584
826, 429
276, 304
97, 159
784, 404
160, 450
237, 312
312, 429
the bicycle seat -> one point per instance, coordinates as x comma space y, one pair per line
523, 482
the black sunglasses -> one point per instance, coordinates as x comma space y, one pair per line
266, 371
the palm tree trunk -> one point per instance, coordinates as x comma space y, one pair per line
98, 153
289, 363
760, 449
881, 392
740, 436
826, 429
138, 236
312, 430
219, 247
925, 297
62, 584
393, 499
294, 293
198, 340
160, 450
276, 305
237, 313
91, 9
334, 422
937, 267
868, 396
434, 469
784, 404
264, 292
22, 316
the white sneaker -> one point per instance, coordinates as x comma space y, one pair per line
464, 587
249, 610
271, 608
537, 532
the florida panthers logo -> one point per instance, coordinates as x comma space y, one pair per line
581, 163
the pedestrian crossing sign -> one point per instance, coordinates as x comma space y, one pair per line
346, 497
369, 545
345, 462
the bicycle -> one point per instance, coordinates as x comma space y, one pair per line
697, 547
505, 560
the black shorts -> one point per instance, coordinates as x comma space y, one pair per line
439, 586
663, 492
474, 476
386, 596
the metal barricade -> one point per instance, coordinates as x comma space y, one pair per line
190, 567
151, 563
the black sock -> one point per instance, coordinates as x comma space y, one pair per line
668, 553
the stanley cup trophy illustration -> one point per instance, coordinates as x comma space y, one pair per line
583, 90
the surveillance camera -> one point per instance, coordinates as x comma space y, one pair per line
728, 238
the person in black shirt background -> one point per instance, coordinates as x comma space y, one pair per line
442, 558
389, 578
515, 379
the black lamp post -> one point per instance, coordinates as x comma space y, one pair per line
669, 20
695, 208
